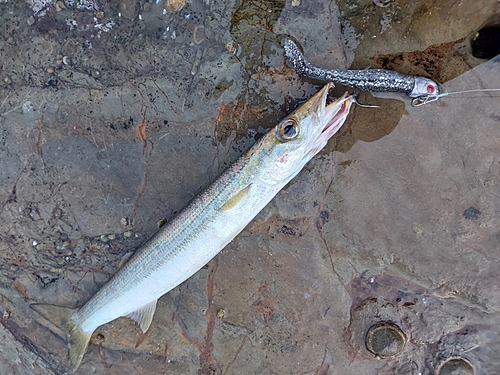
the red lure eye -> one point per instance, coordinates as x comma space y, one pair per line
430, 88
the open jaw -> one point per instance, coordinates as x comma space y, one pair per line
334, 115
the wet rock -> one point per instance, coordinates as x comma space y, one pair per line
486, 42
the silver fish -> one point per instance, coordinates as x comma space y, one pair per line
204, 226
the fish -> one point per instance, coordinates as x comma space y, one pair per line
206, 225
422, 90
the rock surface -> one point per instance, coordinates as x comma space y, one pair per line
110, 124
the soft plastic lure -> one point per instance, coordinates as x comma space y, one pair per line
422, 90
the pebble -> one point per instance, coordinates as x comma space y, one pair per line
99, 338
231, 47
197, 62
30, 20
173, 6
60, 5
221, 313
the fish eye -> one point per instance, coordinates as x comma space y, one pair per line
431, 88
288, 129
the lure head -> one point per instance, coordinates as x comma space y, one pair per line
302, 134
425, 90
424, 87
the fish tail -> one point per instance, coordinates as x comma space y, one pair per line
62, 317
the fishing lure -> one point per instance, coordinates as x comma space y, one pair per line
422, 90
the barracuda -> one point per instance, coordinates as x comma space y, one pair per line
205, 225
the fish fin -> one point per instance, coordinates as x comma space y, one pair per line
125, 259
62, 317
235, 199
144, 315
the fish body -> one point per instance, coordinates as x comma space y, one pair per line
206, 225
421, 89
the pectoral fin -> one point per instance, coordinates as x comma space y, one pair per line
235, 199
144, 315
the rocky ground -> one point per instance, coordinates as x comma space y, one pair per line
381, 257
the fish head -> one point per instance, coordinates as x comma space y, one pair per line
303, 133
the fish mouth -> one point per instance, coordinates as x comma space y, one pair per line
335, 114
327, 118
330, 117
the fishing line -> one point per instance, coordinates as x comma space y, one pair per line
417, 102
425, 99
463, 92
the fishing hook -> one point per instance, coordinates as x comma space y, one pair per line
354, 97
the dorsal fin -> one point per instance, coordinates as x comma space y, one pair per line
144, 315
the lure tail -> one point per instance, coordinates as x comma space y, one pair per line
62, 317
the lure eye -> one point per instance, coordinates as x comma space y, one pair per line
430, 88
288, 130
